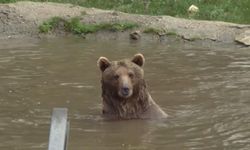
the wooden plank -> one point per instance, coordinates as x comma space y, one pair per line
59, 129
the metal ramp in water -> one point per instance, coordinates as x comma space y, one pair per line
59, 129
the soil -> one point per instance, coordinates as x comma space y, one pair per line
22, 19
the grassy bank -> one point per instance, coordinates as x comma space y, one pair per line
224, 10
74, 26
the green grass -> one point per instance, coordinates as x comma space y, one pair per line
118, 26
171, 33
7, 1
152, 30
50, 24
159, 31
75, 26
224, 10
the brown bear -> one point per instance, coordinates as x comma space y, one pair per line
124, 91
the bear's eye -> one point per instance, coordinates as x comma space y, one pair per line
131, 75
116, 77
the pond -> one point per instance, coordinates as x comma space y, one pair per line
205, 90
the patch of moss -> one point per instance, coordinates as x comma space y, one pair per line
160, 32
116, 26
75, 26
152, 30
171, 33
195, 38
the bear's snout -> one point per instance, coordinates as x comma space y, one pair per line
125, 91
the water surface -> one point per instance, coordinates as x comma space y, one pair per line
205, 90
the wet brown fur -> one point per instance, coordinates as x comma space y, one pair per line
138, 105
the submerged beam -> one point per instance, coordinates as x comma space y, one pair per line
59, 129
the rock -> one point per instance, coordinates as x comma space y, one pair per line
135, 35
244, 38
115, 13
193, 9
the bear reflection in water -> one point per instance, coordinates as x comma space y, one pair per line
124, 90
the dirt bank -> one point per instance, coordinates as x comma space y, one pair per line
23, 18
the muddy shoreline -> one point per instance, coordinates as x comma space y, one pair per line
21, 19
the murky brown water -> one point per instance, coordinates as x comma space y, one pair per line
204, 90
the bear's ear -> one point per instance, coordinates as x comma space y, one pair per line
103, 63
138, 59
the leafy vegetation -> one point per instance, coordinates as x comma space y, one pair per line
75, 26
52, 23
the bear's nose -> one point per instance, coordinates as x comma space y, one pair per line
125, 91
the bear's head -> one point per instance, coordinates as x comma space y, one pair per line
122, 79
